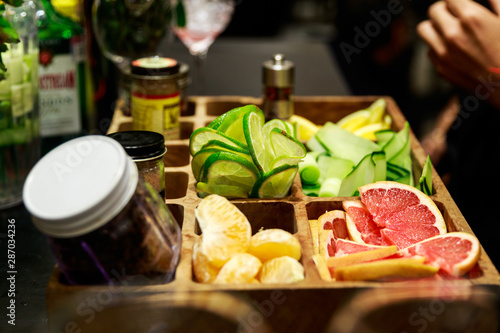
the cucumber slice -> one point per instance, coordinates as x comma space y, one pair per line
384, 136
361, 175
333, 167
425, 181
344, 144
397, 143
378, 158
395, 172
308, 170
314, 145
330, 187
311, 191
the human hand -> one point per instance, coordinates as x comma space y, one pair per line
464, 41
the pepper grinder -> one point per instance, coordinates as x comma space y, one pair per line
278, 79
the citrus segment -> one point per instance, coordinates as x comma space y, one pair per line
324, 272
386, 269
203, 271
241, 268
326, 243
226, 230
304, 128
360, 224
281, 270
272, 243
455, 253
314, 227
334, 220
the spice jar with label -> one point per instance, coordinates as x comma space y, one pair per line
147, 150
278, 80
103, 222
155, 96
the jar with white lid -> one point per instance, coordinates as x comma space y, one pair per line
103, 222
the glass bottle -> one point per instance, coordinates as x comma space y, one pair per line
63, 109
19, 125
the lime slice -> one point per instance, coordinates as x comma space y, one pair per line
286, 145
224, 146
257, 140
276, 183
274, 123
225, 168
203, 135
201, 156
228, 191
216, 123
232, 124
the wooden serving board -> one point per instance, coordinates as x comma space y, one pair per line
307, 306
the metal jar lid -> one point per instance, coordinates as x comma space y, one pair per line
155, 66
278, 72
141, 145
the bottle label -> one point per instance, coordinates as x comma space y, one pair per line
157, 113
59, 91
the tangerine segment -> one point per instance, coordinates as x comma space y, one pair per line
455, 253
203, 271
226, 230
272, 243
386, 269
281, 270
241, 268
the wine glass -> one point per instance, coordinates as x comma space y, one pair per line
197, 23
126, 30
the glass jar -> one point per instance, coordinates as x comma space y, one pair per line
105, 225
147, 150
155, 96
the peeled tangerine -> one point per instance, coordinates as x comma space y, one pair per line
204, 272
272, 243
241, 268
281, 270
226, 230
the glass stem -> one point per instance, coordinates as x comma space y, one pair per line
200, 60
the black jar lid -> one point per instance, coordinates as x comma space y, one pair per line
141, 144
155, 66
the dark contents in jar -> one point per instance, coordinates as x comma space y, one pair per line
131, 246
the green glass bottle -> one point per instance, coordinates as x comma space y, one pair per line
62, 91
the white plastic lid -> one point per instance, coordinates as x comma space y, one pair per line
80, 186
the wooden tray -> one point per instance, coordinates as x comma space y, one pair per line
307, 306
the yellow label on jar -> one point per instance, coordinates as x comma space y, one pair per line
157, 113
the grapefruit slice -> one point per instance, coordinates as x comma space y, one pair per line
326, 243
404, 214
345, 247
456, 253
334, 220
360, 224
